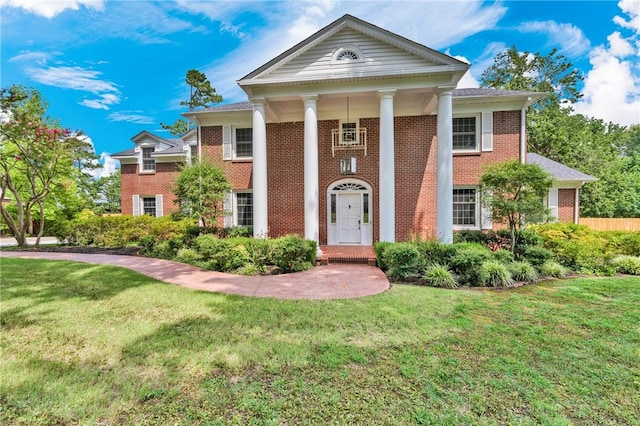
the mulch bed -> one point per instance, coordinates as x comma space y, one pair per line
127, 251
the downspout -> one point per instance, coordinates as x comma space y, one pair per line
523, 135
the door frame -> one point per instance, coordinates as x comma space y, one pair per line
350, 186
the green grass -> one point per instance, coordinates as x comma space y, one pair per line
86, 344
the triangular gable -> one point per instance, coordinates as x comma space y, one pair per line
383, 52
148, 138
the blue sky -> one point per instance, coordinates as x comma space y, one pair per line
113, 68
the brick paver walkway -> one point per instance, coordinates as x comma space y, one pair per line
333, 281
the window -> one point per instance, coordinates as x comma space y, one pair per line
465, 207
465, 133
349, 133
193, 152
149, 206
244, 143
334, 216
244, 209
148, 162
347, 55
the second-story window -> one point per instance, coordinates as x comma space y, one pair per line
465, 134
148, 162
244, 143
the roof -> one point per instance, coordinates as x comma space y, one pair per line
175, 145
126, 153
560, 172
483, 93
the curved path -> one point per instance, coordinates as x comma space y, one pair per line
335, 281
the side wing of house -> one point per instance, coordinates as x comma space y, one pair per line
148, 172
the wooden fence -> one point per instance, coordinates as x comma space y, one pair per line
612, 224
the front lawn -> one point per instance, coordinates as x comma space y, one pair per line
92, 344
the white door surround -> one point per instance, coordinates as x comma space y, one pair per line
349, 213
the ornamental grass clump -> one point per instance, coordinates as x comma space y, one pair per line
627, 264
436, 275
494, 274
553, 269
523, 271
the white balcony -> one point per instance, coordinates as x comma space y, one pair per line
348, 139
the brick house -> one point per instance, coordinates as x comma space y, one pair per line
352, 136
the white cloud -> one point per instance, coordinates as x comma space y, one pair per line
39, 58
571, 39
612, 86
81, 79
51, 8
75, 78
108, 166
103, 102
131, 117
485, 60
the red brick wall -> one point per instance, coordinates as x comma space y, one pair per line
566, 205
148, 184
415, 164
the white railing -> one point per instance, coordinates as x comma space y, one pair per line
348, 139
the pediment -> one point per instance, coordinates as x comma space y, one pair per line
351, 48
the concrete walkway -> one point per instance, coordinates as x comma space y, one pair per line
333, 281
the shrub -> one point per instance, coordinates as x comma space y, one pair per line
187, 255
627, 264
537, 255
553, 269
494, 274
466, 260
439, 276
221, 254
403, 261
436, 252
237, 231
260, 252
523, 271
292, 253
379, 247
472, 236
503, 256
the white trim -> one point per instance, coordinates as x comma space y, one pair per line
226, 142
552, 203
523, 135
576, 207
366, 229
234, 136
227, 208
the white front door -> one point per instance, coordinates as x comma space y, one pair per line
349, 220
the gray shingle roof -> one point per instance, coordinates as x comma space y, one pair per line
560, 172
237, 106
125, 153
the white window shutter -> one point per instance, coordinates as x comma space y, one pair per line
228, 209
553, 202
136, 205
487, 131
226, 142
159, 209
485, 216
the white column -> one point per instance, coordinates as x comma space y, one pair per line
311, 192
260, 200
444, 169
387, 200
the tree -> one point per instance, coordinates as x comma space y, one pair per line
514, 192
108, 195
201, 95
37, 159
200, 191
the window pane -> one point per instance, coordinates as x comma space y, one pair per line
349, 132
333, 208
194, 153
365, 208
244, 142
149, 206
148, 162
464, 133
464, 207
244, 205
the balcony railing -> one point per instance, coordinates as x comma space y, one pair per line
348, 139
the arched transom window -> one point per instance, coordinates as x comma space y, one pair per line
349, 186
347, 54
